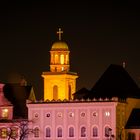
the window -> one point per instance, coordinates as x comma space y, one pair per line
59, 132
95, 131
108, 131
36, 115
83, 114
14, 132
3, 132
48, 132
83, 132
131, 136
67, 59
71, 114
36, 132
62, 59
55, 92
48, 115
5, 113
56, 59
69, 92
107, 113
71, 132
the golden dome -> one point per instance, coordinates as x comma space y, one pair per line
59, 46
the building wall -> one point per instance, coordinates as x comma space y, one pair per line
76, 115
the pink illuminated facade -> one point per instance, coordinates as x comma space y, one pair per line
74, 120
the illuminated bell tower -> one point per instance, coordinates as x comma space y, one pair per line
59, 83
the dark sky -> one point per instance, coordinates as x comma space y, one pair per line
98, 34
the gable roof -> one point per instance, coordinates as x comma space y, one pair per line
18, 95
134, 120
115, 82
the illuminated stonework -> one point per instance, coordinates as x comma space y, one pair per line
59, 83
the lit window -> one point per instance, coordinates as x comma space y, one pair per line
95, 131
5, 113
48, 132
59, 132
56, 59
107, 113
3, 132
71, 114
36, 132
83, 132
62, 59
67, 59
62, 68
14, 132
71, 132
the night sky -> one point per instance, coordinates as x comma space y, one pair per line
98, 34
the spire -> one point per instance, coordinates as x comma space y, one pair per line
59, 33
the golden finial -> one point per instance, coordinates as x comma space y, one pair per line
59, 33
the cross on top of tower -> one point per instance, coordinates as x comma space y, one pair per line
59, 33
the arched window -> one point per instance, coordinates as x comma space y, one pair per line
48, 132
131, 136
95, 131
55, 92
67, 59
14, 132
108, 131
62, 59
56, 58
3, 132
59, 132
71, 132
83, 132
69, 92
36, 132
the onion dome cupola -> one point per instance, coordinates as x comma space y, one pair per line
59, 55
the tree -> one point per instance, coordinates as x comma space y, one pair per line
19, 129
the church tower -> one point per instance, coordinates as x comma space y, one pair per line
59, 82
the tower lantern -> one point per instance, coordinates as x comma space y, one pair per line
59, 83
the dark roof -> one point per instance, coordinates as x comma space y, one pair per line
18, 95
115, 82
134, 120
81, 93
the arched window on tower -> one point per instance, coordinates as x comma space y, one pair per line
69, 92
48, 132
59, 132
67, 59
55, 92
62, 59
56, 58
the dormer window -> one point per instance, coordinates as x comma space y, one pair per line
5, 113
